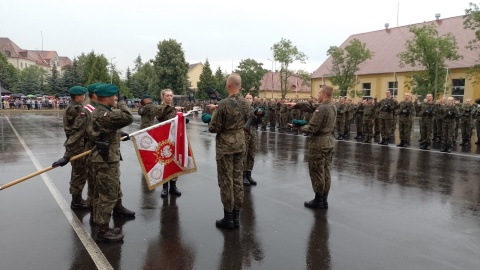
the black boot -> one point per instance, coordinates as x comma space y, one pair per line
358, 137
272, 129
173, 189
368, 140
120, 210
444, 148
108, 235
250, 179
295, 131
325, 200
164, 190
449, 148
462, 143
427, 146
401, 144
340, 137
478, 140
226, 222
78, 203
245, 180
236, 218
467, 143
423, 144
382, 141
263, 128
315, 203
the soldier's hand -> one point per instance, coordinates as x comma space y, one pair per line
290, 104
124, 136
61, 162
212, 107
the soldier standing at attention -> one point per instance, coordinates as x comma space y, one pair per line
448, 112
368, 119
228, 120
320, 145
257, 114
467, 110
271, 115
405, 113
358, 112
386, 108
147, 112
105, 159
341, 110
75, 125
283, 116
427, 113
164, 112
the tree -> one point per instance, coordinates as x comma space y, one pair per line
251, 73
8, 74
286, 53
94, 68
345, 63
31, 80
430, 51
171, 69
206, 82
55, 83
73, 75
221, 79
471, 20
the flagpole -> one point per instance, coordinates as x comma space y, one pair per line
158, 125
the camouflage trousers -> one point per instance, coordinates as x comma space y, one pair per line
264, 121
283, 121
251, 149
77, 176
405, 130
359, 123
386, 127
90, 182
376, 125
319, 165
271, 118
106, 176
230, 180
426, 129
466, 127
477, 127
456, 128
368, 128
437, 128
448, 132
340, 125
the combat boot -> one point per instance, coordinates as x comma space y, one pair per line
427, 146
463, 143
325, 200
245, 180
358, 137
449, 148
478, 140
264, 128
467, 143
248, 175
120, 210
385, 142
368, 140
401, 144
164, 190
272, 129
295, 132
315, 203
236, 218
444, 148
226, 222
78, 203
340, 138
173, 189
108, 235
423, 144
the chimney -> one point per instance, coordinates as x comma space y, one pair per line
437, 16
386, 27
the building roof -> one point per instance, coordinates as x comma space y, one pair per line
386, 44
293, 80
192, 66
64, 61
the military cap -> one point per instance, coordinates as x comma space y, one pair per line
206, 118
91, 88
106, 90
77, 90
146, 96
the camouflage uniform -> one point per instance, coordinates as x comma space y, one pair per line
386, 107
368, 120
437, 124
427, 112
283, 117
106, 123
348, 119
466, 111
295, 113
405, 112
358, 112
75, 124
89, 145
228, 121
251, 140
448, 113
477, 123
340, 119
147, 113
271, 115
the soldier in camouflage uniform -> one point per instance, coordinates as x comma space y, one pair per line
264, 106
348, 118
386, 108
426, 111
369, 112
467, 110
437, 125
256, 115
228, 121
340, 119
448, 112
405, 112
295, 115
105, 159
358, 115
147, 112
164, 112
74, 125
283, 116
271, 115
320, 145
457, 121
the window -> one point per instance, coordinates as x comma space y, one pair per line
458, 89
393, 88
366, 89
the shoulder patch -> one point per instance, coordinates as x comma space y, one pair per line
89, 107
82, 114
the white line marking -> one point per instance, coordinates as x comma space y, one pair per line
97, 256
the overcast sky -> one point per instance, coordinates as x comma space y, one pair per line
225, 32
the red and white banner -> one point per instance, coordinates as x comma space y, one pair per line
164, 151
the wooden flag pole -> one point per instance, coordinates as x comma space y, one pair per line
19, 180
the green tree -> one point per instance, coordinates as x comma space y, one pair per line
286, 53
345, 64
251, 73
31, 80
471, 20
221, 79
73, 75
8, 74
171, 69
206, 82
142, 81
305, 75
94, 68
429, 50
55, 83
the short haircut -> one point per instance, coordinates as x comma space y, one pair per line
235, 80
328, 90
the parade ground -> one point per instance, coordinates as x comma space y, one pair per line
389, 208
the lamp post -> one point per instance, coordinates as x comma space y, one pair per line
111, 70
272, 75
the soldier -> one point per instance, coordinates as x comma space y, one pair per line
437, 125
295, 115
320, 145
105, 159
283, 116
228, 120
263, 105
358, 114
340, 119
467, 110
147, 112
256, 115
271, 114
369, 112
348, 118
426, 112
74, 125
457, 104
166, 111
405, 112
386, 107
449, 112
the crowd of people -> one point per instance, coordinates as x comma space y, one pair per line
39, 103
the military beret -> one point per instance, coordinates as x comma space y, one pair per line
106, 90
91, 88
206, 118
367, 98
296, 122
77, 90
146, 96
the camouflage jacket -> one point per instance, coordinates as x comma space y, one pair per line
369, 112
75, 124
147, 113
386, 108
405, 111
425, 109
320, 126
165, 112
467, 111
449, 113
91, 134
106, 123
228, 121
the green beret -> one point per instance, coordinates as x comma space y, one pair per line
146, 96
106, 90
91, 88
206, 118
296, 122
77, 90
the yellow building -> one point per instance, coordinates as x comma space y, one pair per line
194, 71
270, 87
377, 75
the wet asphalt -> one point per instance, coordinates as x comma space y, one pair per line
390, 208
